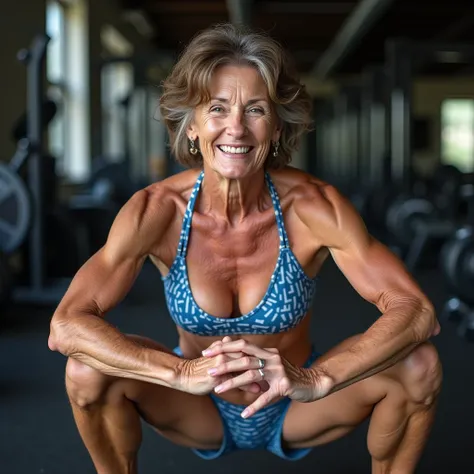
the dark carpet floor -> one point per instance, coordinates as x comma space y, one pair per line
38, 435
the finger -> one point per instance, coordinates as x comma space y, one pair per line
236, 382
261, 402
241, 364
218, 342
214, 344
254, 387
273, 350
238, 346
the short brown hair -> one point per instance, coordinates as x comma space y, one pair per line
187, 86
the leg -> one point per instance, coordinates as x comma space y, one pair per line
401, 401
107, 412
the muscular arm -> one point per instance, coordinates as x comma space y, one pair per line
407, 318
78, 328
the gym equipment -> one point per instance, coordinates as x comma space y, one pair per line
457, 264
405, 213
15, 199
16, 216
112, 181
37, 288
15, 209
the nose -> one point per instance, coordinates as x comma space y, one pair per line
236, 126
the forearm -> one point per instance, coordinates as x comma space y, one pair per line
393, 336
95, 342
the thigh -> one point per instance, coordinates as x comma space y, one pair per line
323, 421
184, 418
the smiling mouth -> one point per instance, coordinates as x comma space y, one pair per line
235, 150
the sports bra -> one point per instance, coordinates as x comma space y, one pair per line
285, 303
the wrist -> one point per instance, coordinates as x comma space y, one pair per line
165, 367
321, 381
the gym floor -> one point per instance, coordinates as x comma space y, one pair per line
38, 434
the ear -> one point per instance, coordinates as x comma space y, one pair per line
276, 134
192, 132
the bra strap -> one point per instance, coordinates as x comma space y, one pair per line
278, 212
188, 217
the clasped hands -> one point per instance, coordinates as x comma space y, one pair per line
228, 365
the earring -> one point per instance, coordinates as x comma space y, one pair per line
192, 148
275, 152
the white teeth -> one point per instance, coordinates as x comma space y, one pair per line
232, 149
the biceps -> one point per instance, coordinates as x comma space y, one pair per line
101, 283
375, 273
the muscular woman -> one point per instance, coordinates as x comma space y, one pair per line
239, 238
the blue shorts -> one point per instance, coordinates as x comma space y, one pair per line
261, 431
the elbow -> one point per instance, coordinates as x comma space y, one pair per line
57, 340
428, 325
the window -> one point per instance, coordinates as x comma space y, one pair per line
117, 77
457, 133
117, 84
56, 75
67, 74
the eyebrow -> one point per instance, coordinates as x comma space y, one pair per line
250, 102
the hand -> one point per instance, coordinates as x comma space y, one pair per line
284, 379
194, 374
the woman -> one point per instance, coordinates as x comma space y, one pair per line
239, 239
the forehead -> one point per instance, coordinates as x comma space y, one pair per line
232, 77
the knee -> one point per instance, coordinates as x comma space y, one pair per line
422, 374
85, 386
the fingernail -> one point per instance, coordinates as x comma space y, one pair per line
206, 352
244, 414
218, 389
212, 371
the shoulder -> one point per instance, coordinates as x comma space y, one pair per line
319, 205
306, 193
147, 215
162, 198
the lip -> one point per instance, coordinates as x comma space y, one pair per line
236, 145
238, 156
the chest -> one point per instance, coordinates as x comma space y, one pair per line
229, 272
232, 260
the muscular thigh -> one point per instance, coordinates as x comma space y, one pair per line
185, 419
316, 423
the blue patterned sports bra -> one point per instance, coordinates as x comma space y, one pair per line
285, 303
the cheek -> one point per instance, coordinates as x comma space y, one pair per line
263, 151
211, 127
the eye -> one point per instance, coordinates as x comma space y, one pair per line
256, 110
217, 108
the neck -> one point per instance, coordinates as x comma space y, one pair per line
232, 199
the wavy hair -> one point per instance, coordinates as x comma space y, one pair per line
187, 86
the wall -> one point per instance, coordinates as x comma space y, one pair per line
16, 32
428, 94
101, 13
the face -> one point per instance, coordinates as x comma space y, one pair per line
237, 127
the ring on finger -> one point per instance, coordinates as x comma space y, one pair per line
262, 373
261, 363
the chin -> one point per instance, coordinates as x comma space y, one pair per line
237, 171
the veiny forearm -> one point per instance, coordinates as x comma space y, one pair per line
393, 336
95, 342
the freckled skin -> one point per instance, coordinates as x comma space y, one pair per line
231, 255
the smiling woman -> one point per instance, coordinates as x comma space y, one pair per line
274, 80
239, 240
236, 127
